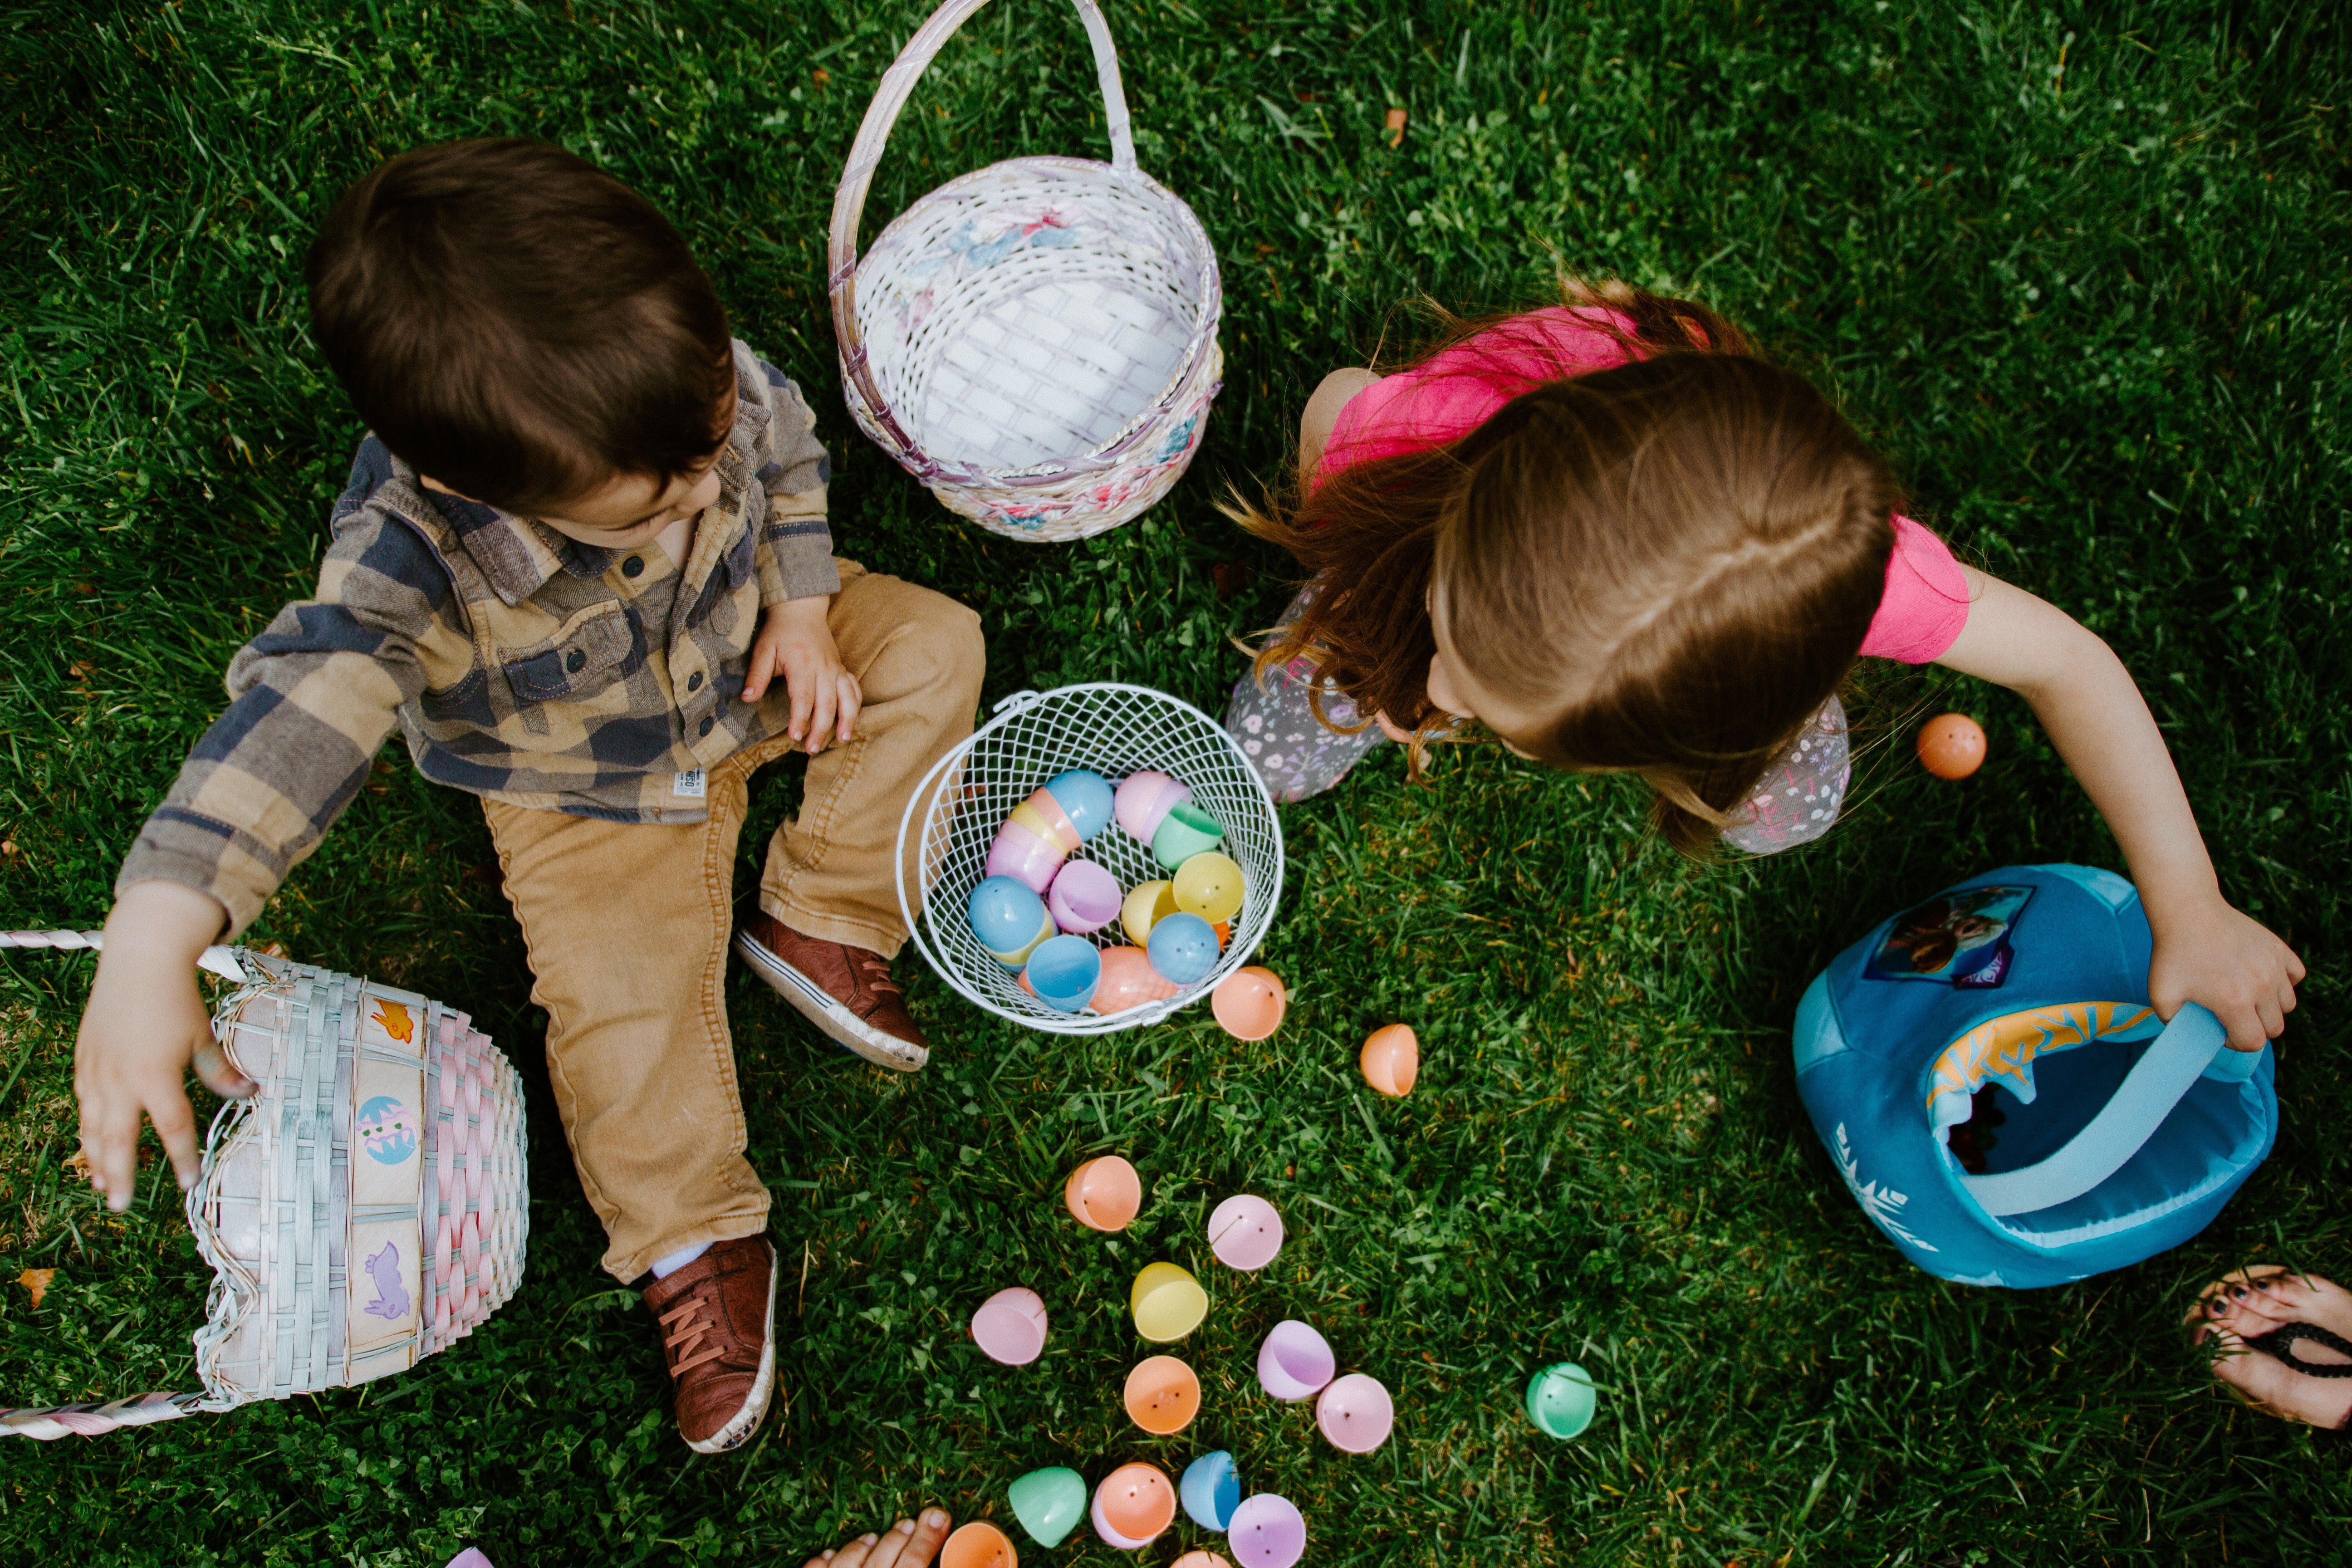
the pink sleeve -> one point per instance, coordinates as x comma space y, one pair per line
1926, 601
1453, 393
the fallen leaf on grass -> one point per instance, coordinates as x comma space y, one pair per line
37, 1281
1394, 123
78, 1163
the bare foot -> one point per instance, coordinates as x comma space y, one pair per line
2252, 1302
908, 1544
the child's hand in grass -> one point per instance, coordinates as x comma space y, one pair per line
795, 642
2209, 952
911, 1543
145, 1023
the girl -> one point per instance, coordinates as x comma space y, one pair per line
1621, 541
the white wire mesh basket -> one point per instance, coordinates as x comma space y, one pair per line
1114, 729
1036, 341
367, 1206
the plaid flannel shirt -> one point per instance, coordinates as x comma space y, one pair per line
519, 663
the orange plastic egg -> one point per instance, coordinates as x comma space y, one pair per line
1103, 1193
1392, 1059
979, 1544
1162, 1395
1951, 746
1249, 1003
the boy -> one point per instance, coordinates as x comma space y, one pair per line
581, 501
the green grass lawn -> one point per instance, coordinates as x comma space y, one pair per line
2082, 270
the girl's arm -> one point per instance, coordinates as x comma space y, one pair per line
2205, 950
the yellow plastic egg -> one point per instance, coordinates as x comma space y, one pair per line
1167, 1302
1147, 906
1209, 885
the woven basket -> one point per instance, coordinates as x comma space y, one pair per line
1114, 729
365, 1207
1036, 341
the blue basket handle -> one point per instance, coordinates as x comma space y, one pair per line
2192, 1046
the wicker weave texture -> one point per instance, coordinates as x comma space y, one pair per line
275, 1212
1114, 729
1037, 340
318, 1282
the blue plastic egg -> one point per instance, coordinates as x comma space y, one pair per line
1064, 972
1086, 798
1210, 1490
1182, 949
1008, 919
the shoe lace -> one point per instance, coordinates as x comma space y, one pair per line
876, 971
689, 1328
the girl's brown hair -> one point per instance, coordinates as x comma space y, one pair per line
1664, 567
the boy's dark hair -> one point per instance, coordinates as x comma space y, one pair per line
518, 324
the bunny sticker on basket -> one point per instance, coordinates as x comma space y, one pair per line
392, 1257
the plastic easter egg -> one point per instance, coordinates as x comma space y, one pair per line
1144, 799
1046, 821
1161, 1395
1009, 1327
1209, 1490
979, 1544
1200, 1560
1183, 948
1355, 1412
1133, 1505
1018, 853
1392, 1059
1064, 972
1167, 1302
1009, 920
1084, 898
1049, 1503
1295, 1362
1086, 799
1249, 1003
1245, 1232
1560, 1400
1209, 885
1951, 746
1127, 981
1267, 1532
1184, 832
1103, 1193
1148, 903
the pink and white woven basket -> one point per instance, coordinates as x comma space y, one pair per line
1036, 341
365, 1207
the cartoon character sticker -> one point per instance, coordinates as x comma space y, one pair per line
394, 1020
387, 1130
1961, 940
391, 1301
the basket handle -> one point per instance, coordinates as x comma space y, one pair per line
890, 97
221, 961
2166, 1071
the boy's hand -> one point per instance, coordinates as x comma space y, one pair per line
2212, 954
907, 1544
144, 1024
795, 642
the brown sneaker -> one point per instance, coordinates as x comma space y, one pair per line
846, 991
717, 1317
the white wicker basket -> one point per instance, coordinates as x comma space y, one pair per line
1114, 729
1036, 341
365, 1207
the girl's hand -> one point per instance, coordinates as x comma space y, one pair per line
795, 642
2212, 954
907, 1544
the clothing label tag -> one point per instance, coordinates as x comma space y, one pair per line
688, 785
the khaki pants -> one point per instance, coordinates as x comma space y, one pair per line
628, 925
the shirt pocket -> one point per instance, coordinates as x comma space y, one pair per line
588, 653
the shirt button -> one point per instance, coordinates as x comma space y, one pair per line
634, 566
694, 681
704, 728
575, 661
